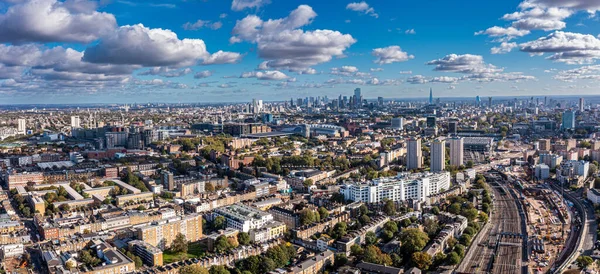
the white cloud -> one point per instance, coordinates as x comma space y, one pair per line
362, 7
586, 5
267, 75
567, 47
376, 69
202, 24
167, 72
410, 31
284, 46
504, 33
406, 72
504, 47
581, 73
344, 70
223, 15
475, 69
222, 57
203, 74
54, 21
391, 54
238, 5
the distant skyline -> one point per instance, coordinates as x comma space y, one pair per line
123, 51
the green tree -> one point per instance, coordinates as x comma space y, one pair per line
389, 208
453, 258
220, 222
374, 255
339, 230
340, 260
222, 244
356, 250
180, 244
584, 261
413, 240
430, 227
218, 269
422, 260
323, 213
193, 269
370, 238
243, 238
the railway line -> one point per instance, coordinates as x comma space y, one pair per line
501, 242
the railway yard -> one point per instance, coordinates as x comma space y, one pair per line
500, 246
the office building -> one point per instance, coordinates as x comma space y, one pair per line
438, 155
150, 255
542, 172
430, 96
456, 151
167, 180
414, 154
452, 127
568, 120
357, 98
581, 104
545, 144
431, 121
403, 187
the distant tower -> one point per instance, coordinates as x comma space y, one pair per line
414, 154
438, 155
490, 102
478, 100
430, 96
581, 104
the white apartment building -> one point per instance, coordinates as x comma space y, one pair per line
456, 151
438, 155
244, 218
405, 186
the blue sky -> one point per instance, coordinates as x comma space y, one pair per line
82, 51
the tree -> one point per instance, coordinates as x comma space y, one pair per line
364, 219
471, 213
222, 244
218, 269
389, 208
391, 227
453, 258
323, 213
374, 255
308, 216
209, 187
267, 265
339, 230
454, 208
435, 210
220, 222
387, 236
356, 250
243, 238
193, 269
584, 261
465, 239
308, 182
138, 262
413, 240
180, 244
340, 260
431, 227
422, 260
460, 249
370, 238
405, 223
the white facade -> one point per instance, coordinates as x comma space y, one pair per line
244, 218
438, 155
415, 186
456, 151
12, 250
22, 126
75, 122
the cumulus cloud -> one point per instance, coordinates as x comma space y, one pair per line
284, 46
238, 5
410, 31
222, 57
581, 73
504, 47
406, 72
474, 68
376, 69
266, 75
203, 74
54, 21
567, 47
503, 33
344, 70
391, 54
586, 5
167, 72
362, 7
202, 24
139, 45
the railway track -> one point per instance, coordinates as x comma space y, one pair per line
501, 244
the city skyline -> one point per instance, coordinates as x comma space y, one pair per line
229, 51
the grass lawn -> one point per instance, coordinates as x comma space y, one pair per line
195, 250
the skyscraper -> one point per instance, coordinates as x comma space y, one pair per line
478, 100
452, 126
21, 126
490, 102
438, 155
430, 96
431, 121
398, 123
568, 120
414, 154
357, 97
456, 151
581, 104
75, 122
